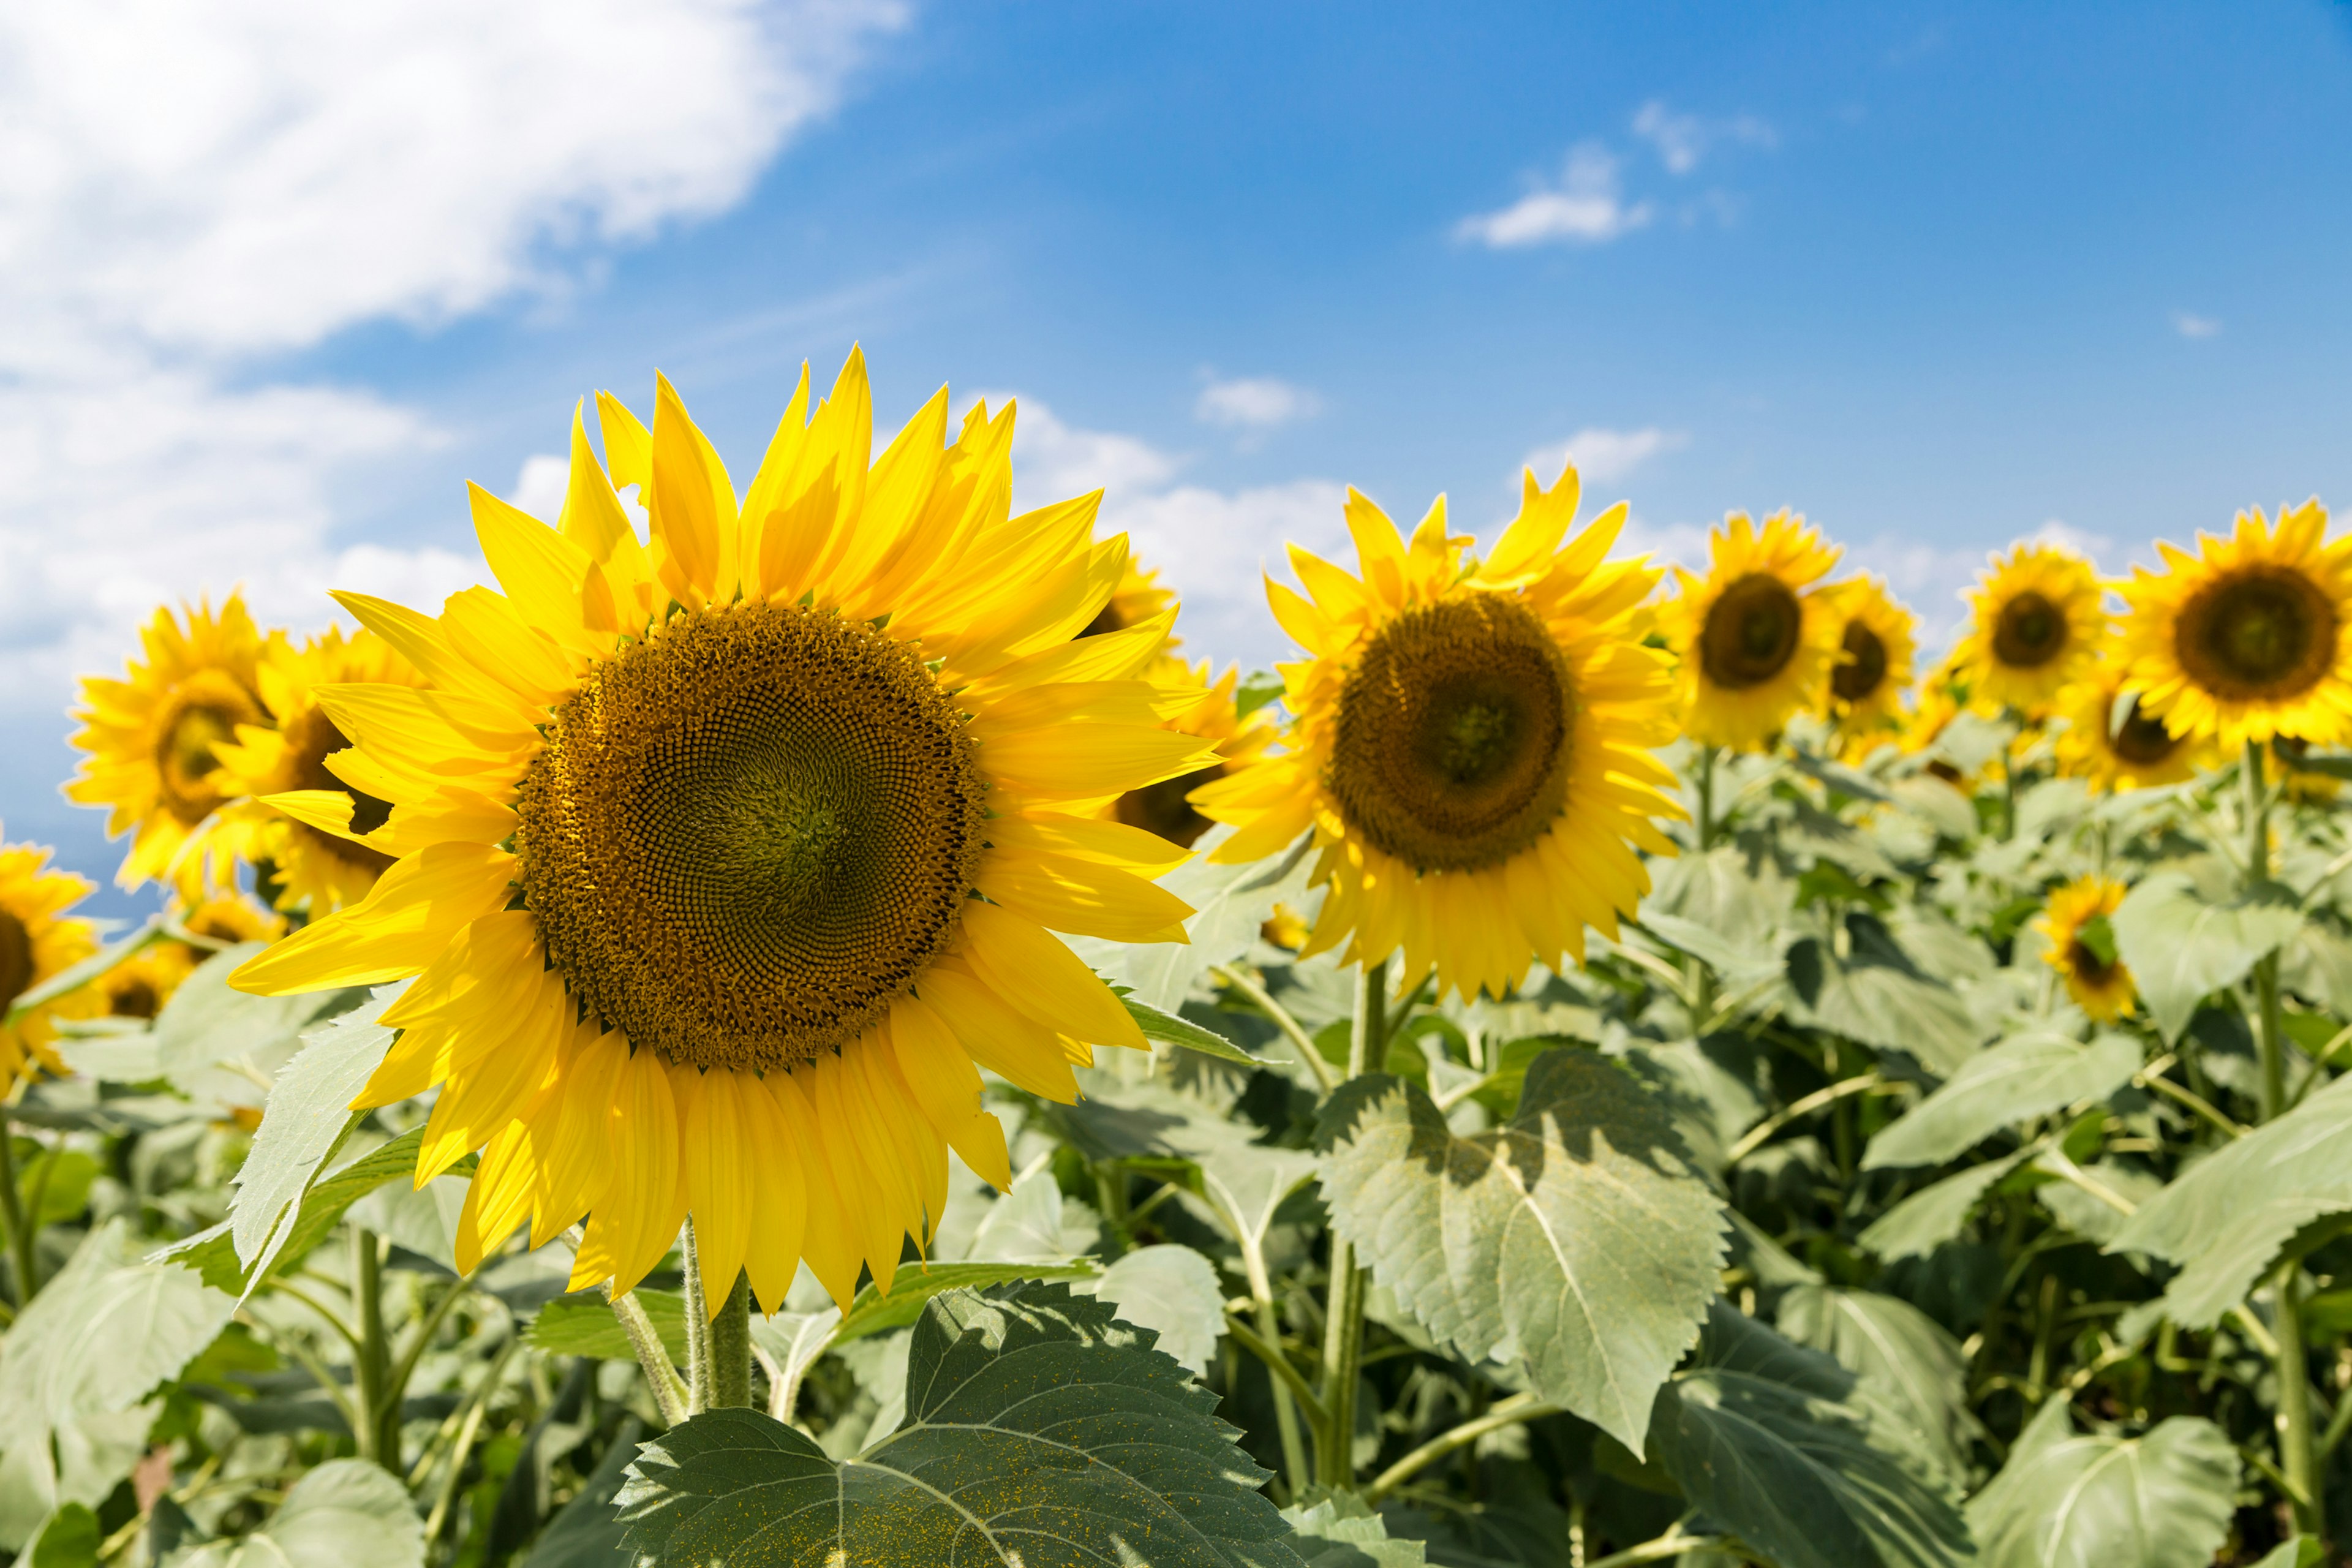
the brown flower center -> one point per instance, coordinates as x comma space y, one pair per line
2141, 740
1865, 668
2261, 634
1161, 808
749, 834
1750, 633
310, 739
2028, 633
201, 715
1452, 743
15, 957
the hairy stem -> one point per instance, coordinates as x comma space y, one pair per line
1510, 1412
1292, 1030
669, 1391
20, 1226
731, 1349
378, 1432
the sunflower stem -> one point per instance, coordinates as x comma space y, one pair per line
378, 1433
1343, 1323
1705, 798
698, 1323
20, 1226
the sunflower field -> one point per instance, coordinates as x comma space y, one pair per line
801, 1030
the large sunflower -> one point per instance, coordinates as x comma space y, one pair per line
1874, 670
153, 741
1208, 710
1755, 644
2083, 948
723, 859
2250, 637
37, 940
2036, 624
1469, 746
284, 773
2111, 741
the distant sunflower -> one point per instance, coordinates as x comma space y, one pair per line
1942, 697
232, 919
153, 741
2250, 637
1138, 598
723, 859
1470, 746
2036, 624
1755, 644
140, 985
1209, 711
2082, 946
2113, 743
286, 772
1874, 670
36, 941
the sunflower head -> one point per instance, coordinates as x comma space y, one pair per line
2082, 946
2250, 637
1874, 669
1140, 597
319, 860
1756, 643
154, 740
724, 859
1470, 743
2036, 624
38, 939
2112, 742
1199, 703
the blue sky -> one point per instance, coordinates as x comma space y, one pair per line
1938, 276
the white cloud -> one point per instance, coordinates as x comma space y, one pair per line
1683, 140
1603, 456
1255, 403
1052, 460
2193, 326
1585, 206
190, 190
539, 488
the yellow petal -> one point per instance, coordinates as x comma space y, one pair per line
717, 1159
1019, 959
943, 1082
413, 912
1079, 897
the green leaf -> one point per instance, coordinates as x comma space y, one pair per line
2022, 1078
2297, 1552
64, 1176
212, 1253
587, 1533
1910, 1361
1257, 689
75, 976
871, 1313
102, 1335
1877, 996
1229, 903
307, 1120
1169, 1029
1578, 1239
2164, 1500
1038, 1431
1340, 1531
1934, 1215
1762, 1436
2227, 1218
347, 1513
206, 1022
2181, 943
584, 1324
1173, 1291
70, 1539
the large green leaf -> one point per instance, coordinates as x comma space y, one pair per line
212, 1253
2226, 1219
1935, 1214
1229, 904
1763, 1436
2020, 1078
1173, 1291
1340, 1531
1169, 1029
347, 1513
1578, 1239
1039, 1431
206, 1022
1876, 995
2182, 941
308, 1117
2163, 1501
101, 1334
872, 1312
1907, 1359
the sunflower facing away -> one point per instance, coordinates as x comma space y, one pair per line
37, 940
1470, 743
1138, 598
1874, 670
2036, 624
153, 741
2248, 638
721, 859
314, 869
2111, 741
2082, 947
1755, 644
1208, 710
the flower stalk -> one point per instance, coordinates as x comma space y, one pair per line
1343, 1334
20, 1224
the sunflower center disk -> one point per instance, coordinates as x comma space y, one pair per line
206, 714
1867, 666
1161, 807
15, 957
1750, 633
2030, 633
747, 835
1452, 736
2261, 634
311, 740
2142, 739
2094, 969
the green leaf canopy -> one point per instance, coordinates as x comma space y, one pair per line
2181, 942
2029, 1075
2063, 1500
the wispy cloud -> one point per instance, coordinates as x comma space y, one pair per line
1255, 403
1604, 457
1683, 140
1586, 205
2194, 326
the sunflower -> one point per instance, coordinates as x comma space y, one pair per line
1207, 709
1876, 645
2248, 638
1138, 598
2036, 624
2082, 947
317, 869
1470, 744
231, 920
2112, 742
721, 859
153, 741
140, 985
36, 941
1754, 645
